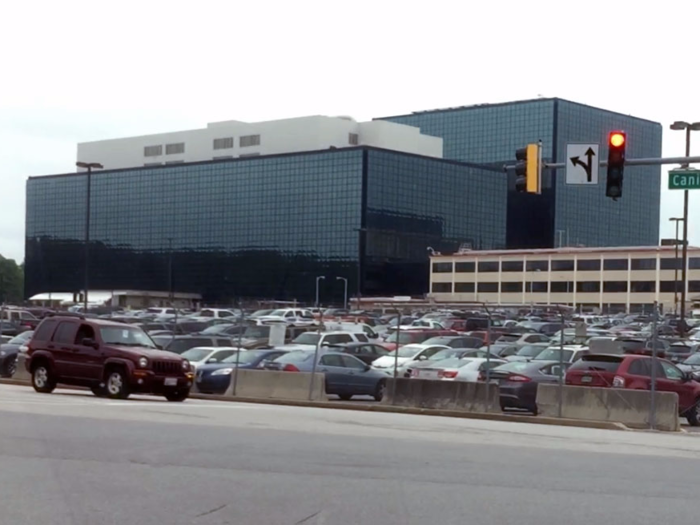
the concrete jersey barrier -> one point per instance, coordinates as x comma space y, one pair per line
445, 395
269, 384
629, 407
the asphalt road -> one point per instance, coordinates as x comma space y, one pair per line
72, 459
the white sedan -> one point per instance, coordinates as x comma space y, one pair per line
453, 369
200, 355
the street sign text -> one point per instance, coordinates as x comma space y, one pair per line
684, 179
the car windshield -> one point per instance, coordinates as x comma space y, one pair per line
453, 362
515, 366
443, 354
216, 329
196, 354
294, 357
404, 337
126, 336
529, 351
409, 350
257, 332
552, 354
307, 338
21, 338
508, 338
258, 313
244, 358
437, 341
278, 313
693, 360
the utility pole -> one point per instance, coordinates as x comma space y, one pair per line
86, 269
675, 271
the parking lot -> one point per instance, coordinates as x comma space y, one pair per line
72, 458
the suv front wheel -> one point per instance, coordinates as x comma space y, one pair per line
42, 379
116, 385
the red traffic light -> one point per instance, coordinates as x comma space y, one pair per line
617, 139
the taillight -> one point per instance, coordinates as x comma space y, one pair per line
618, 382
448, 374
481, 376
290, 368
414, 373
517, 378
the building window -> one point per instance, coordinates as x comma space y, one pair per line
152, 151
174, 149
223, 157
615, 286
247, 141
561, 286
487, 287
563, 266
488, 266
464, 267
642, 286
537, 266
615, 264
671, 264
353, 138
693, 286
644, 264
588, 265
512, 266
588, 287
512, 287
464, 287
442, 287
223, 143
249, 155
442, 267
694, 263
669, 287
536, 286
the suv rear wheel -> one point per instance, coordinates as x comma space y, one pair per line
42, 379
116, 384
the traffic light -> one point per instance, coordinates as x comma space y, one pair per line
528, 169
617, 142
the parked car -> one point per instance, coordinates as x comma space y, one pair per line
9, 351
679, 352
519, 339
200, 355
309, 340
437, 358
291, 316
569, 353
112, 359
365, 352
259, 313
412, 337
528, 352
691, 364
406, 355
215, 378
501, 350
182, 343
455, 341
456, 369
345, 375
11, 328
633, 372
518, 380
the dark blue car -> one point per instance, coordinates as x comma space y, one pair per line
9, 351
215, 378
346, 375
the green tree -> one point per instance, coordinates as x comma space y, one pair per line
11, 281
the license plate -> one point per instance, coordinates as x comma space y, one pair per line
170, 381
586, 379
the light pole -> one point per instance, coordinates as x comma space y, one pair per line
675, 265
345, 296
319, 278
86, 270
688, 127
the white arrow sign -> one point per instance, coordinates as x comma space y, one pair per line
582, 163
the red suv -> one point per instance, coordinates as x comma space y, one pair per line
634, 372
112, 359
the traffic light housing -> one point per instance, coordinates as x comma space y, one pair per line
528, 168
617, 142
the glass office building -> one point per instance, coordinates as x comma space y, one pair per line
262, 227
562, 215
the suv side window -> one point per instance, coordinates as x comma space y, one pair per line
66, 332
672, 373
84, 332
45, 330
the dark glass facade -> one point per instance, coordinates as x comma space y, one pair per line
262, 227
562, 215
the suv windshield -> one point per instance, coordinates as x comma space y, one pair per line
597, 363
126, 336
308, 338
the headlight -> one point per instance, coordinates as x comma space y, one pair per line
222, 372
143, 362
185, 365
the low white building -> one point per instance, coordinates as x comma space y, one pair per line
234, 139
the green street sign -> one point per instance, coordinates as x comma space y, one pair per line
684, 179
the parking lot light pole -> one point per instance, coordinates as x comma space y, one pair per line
238, 352
675, 271
86, 269
345, 296
654, 338
319, 278
688, 127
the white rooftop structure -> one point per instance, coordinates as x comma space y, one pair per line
235, 139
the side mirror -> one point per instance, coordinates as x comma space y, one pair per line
422, 358
367, 368
89, 341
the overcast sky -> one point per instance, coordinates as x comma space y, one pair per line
74, 70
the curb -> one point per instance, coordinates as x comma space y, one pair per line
537, 420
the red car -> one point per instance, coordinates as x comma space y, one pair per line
634, 372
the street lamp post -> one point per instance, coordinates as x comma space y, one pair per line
86, 269
675, 271
319, 278
345, 296
688, 127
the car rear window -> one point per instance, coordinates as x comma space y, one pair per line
597, 363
